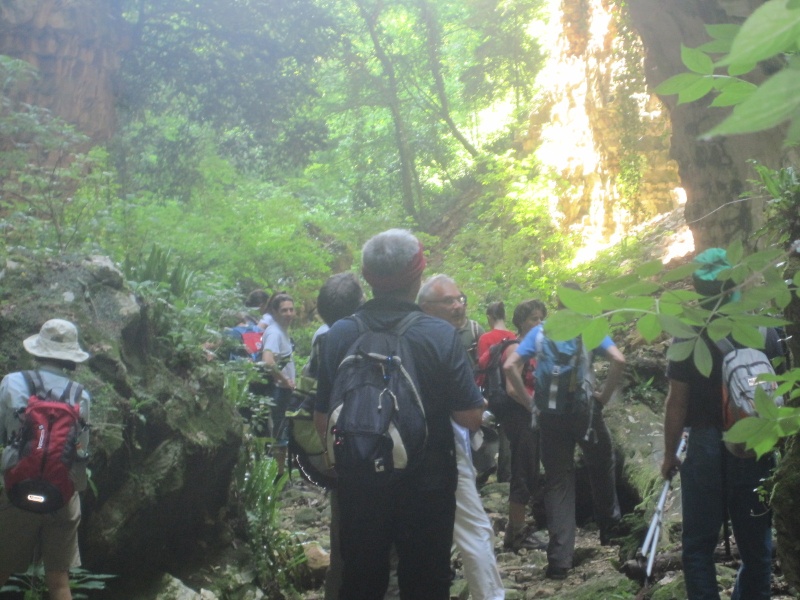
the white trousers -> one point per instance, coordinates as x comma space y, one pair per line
473, 534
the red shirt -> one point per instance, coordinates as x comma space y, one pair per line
490, 338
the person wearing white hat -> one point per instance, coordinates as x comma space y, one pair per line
52, 537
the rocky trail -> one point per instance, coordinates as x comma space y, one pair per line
596, 575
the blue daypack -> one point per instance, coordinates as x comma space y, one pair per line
560, 375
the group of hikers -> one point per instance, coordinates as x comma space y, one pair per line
405, 385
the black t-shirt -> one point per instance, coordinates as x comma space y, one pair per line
705, 393
446, 380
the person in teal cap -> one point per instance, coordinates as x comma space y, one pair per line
714, 481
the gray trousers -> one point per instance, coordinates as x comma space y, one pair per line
559, 435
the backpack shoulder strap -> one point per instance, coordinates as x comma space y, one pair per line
35, 382
725, 346
402, 326
473, 325
72, 393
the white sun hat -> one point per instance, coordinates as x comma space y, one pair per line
57, 339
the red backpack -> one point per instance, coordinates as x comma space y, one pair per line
37, 463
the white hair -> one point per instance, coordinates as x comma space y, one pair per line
426, 290
389, 252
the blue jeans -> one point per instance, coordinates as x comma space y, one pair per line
705, 493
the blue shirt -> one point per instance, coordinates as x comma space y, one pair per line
527, 347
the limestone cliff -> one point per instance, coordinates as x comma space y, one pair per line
75, 47
597, 128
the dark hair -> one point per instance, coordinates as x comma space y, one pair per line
496, 310
525, 309
257, 299
276, 300
339, 297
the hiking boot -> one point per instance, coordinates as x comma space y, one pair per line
610, 532
557, 573
524, 539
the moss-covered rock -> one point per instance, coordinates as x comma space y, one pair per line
164, 443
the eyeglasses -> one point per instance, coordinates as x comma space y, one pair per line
450, 300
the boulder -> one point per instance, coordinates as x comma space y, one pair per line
164, 440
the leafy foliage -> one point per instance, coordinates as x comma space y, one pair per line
644, 297
773, 30
279, 556
51, 189
31, 583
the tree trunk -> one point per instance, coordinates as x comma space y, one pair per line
713, 173
75, 46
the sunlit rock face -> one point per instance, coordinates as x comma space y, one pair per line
74, 51
714, 173
603, 136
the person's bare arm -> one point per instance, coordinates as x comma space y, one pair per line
513, 370
675, 408
524, 402
272, 367
471, 418
616, 370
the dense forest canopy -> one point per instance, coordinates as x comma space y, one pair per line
213, 148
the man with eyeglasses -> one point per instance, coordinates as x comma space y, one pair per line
440, 297
473, 535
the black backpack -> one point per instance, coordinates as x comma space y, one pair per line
494, 379
377, 429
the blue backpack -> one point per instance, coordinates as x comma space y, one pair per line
560, 375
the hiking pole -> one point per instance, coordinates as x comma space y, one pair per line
653, 533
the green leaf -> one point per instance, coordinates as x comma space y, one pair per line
740, 69
724, 31
746, 429
719, 328
765, 405
783, 298
643, 288
638, 303
761, 320
680, 351
676, 327
679, 273
764, 258
702, 357
771, 104
579, 301
615, 285
593, 334
649, 327
796, 278
677, 83
746, 335
716, 47
565, 325
734, 251
793, 134
697, 61
770, 30
765, 444
696, 90
696, 316
680, 296
735, 93
648, 269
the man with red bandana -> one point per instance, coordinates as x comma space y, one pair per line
415, 514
